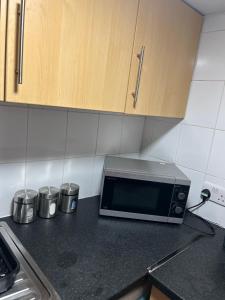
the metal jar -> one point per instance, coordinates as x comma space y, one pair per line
48, 201
69, 193
25, 204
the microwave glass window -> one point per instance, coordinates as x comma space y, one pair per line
138, 196
142, 197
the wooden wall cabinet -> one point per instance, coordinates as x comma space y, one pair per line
168, 33
3, 13
100, 54
77, 53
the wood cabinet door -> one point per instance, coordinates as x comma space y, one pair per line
77, 53
169, 31
3, 7
157, 295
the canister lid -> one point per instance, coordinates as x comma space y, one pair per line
48, 192
25, 196
69, 189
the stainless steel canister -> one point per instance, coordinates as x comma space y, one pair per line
48, 201
25, 204
69, 193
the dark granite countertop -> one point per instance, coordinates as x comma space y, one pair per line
90, 257
198, 273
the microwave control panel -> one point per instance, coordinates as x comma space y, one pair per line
179, 201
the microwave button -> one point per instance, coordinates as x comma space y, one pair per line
181, 196
178, 210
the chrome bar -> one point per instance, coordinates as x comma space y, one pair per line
21, 13
140, 56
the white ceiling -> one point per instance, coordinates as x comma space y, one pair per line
207, 6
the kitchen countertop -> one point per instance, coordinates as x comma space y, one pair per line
198, 273
86, 256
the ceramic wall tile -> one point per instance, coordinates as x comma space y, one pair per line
12, 179
211, 57
214, 22
13, 134
109, 134
46, 134
194, 147
80, 171
204, 103
42, 173
132, 130
160, 139
81, 134
217, 157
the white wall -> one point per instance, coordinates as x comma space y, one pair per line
49, 146
197, 144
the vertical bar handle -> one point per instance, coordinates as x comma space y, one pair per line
140, 56
21, 14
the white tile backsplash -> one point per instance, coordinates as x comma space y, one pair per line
194, 147
212, 212
109, 134
215, 180
214, 22
211, 58
132, 130
80, 171
42, 173
160, 138
40, 146
13, 134
221, 117
97, 174
81, 134
217, 156
12, 179
46, 134
204, 102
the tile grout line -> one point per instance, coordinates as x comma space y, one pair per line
95, 152
208, 80
214, 132
26, 152
200, 126
183, 166
213, 31
178, 142
142, 137
65, 148
97, 136
121, 133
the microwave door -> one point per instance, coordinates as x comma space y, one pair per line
124, 197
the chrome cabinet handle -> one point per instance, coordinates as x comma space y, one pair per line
140, 56
21, 14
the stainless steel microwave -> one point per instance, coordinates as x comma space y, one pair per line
145, 190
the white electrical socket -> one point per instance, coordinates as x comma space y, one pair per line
217, 192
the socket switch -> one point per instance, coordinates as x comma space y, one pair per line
217, 192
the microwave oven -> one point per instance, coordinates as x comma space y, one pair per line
145, 190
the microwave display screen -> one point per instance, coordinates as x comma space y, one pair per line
137, 196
